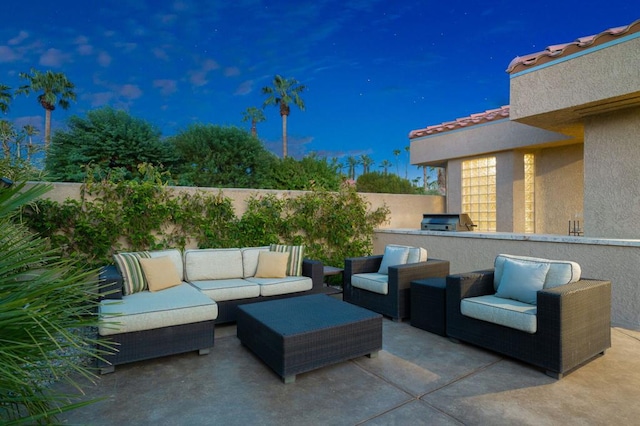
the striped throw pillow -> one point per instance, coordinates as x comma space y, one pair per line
132, 277
296, 256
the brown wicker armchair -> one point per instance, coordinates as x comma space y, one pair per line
573, 322
396, 303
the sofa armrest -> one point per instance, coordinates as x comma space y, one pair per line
110, 283
314, 269
400, 276
359, 265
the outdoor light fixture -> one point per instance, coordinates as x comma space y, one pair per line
5, 182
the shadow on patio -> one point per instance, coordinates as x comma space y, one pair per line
418, 378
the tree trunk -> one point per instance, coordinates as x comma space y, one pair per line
424, 177
47, 128
284, 136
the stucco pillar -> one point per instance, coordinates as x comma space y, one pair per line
612, 175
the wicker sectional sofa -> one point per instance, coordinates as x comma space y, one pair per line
142, 322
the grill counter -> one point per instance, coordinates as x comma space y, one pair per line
446, 222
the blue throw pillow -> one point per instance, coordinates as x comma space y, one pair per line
522, 280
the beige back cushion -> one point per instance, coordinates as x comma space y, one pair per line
250, 260
560, 271
175, 256
416, 254
213, 264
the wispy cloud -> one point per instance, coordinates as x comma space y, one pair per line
231, 71
7, 54
160, 53
22, 35
130, 91
104, 59
53, 58
166, 87
244, 88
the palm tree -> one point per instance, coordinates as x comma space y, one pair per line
352, 162
284, 92
254, 116
5, 98
396, 153
406, 169
55, 88
385, 164
30, 131
366, 162
7, 134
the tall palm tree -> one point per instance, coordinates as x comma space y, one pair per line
30, 131
55, 89
406, 169
284, 91
352, 162
396, 153
254, 116
385, 164
366, 162
5, 98
7, 134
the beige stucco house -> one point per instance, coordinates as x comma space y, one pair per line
566, 149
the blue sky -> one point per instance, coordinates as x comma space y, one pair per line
374, 69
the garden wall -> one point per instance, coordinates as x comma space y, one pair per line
406, 210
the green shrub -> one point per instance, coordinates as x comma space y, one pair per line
146, 215
46, 302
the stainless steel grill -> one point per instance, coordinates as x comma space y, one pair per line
446, 222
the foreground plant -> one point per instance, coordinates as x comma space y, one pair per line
47, 305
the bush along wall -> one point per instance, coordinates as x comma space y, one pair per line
147, 215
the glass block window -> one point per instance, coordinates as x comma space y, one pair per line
529, 194
479, 192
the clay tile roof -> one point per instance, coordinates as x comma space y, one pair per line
551, 53
473, 119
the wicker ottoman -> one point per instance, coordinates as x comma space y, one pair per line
428, 305
300, 334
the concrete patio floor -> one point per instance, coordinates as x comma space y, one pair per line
418, 378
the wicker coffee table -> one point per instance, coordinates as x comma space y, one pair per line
300, 334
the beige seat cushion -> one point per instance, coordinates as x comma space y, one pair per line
507, 312
231, 289
146, 310
276, 286
375, 282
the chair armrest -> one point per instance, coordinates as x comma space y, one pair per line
400, 276
110, 283
314, 269
469, 284
359, 265
579, 305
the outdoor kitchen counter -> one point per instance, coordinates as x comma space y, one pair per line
552, 238
599, 258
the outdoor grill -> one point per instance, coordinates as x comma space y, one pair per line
446, 222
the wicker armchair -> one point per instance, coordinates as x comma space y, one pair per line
573, 322
396, 303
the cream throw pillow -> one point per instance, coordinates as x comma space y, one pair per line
160, 273
272, 264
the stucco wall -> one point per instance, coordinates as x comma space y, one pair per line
576, 85
406, 210
559, 188
597, 258
612, 174
481, 139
